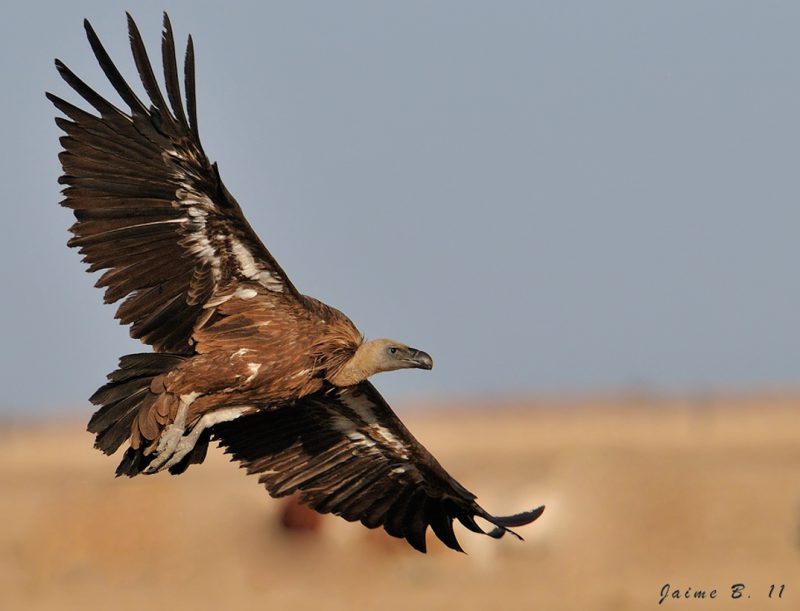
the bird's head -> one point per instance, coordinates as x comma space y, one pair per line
388, 355
379, 355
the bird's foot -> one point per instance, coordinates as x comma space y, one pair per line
168, 444
181, 443
185, 445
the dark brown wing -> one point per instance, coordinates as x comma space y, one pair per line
150, 207
347, 453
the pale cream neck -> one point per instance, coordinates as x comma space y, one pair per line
360, 366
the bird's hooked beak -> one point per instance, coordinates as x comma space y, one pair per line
419, 360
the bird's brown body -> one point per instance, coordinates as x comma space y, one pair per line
259, 350
239, 354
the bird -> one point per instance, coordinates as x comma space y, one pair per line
280, 380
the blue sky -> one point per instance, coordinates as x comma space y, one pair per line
546, 196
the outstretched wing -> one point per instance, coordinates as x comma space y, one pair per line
347, 453
150, 207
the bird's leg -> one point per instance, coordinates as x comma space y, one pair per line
171, 435
187, 442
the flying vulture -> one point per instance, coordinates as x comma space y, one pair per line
239, 356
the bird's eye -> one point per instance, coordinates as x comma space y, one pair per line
392, 350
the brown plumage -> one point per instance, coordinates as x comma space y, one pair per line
240, 355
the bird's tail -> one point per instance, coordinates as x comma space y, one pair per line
125, 394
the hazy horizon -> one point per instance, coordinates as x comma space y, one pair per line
545, 196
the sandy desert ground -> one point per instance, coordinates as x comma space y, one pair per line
640, 492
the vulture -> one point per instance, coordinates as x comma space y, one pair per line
239, 356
